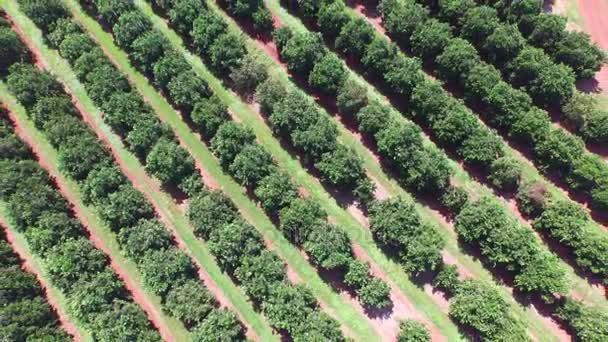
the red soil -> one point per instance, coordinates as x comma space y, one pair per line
388, 325
595, 14
372, 16
138, 296
28, 266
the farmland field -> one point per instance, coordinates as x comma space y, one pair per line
303, 170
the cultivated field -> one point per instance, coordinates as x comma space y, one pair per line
303, 170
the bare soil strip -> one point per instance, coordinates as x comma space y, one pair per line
29, 266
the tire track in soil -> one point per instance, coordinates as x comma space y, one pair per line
406, 309
131, 286
163, 217
28, 266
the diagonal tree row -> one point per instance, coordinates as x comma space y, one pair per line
303, 271
548, 32
363, 272
302, 221
442, 124
312, 50
176, 13
166, 270
398, 239
131, 71
227, 234
456, 61
300, 45
39, 212
300, 40
403, 209
232, 227
479, 146
548, 219
26, 311
523, 63
339, 78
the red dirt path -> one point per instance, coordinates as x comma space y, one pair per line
137, 294
595, 15
28, 266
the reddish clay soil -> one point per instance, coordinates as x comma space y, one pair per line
138, 296
372, 16
388, 324
595, 16
27, 266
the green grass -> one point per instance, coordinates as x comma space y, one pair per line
572, 13
345, 313
166, 206
460, 176
38, 267
88, 214
357, 233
